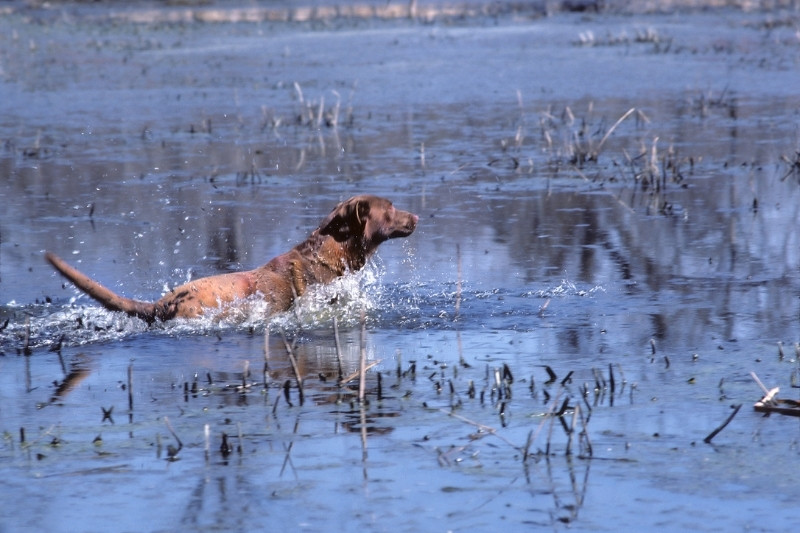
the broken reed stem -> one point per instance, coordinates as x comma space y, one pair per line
338, 347
585, 433
357, 373
714, 433
362, 365
611, 130
758, 382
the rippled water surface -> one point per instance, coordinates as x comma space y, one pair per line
609, 209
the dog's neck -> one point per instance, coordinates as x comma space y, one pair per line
339, 257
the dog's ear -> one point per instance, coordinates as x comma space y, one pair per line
347, 220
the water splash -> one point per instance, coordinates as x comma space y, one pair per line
49, 325
566, 288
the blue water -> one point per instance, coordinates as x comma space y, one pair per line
152, 153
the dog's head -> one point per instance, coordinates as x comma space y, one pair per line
368, 220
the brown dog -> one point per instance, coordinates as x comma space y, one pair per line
343, 242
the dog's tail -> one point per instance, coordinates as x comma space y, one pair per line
111, 301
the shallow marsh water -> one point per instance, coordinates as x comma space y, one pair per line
150, 151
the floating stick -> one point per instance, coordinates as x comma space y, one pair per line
713, 434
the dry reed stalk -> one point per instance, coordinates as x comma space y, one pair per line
585, 433
295, 368
357, 373
767, 392
338, 347
362, 383
611, 130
